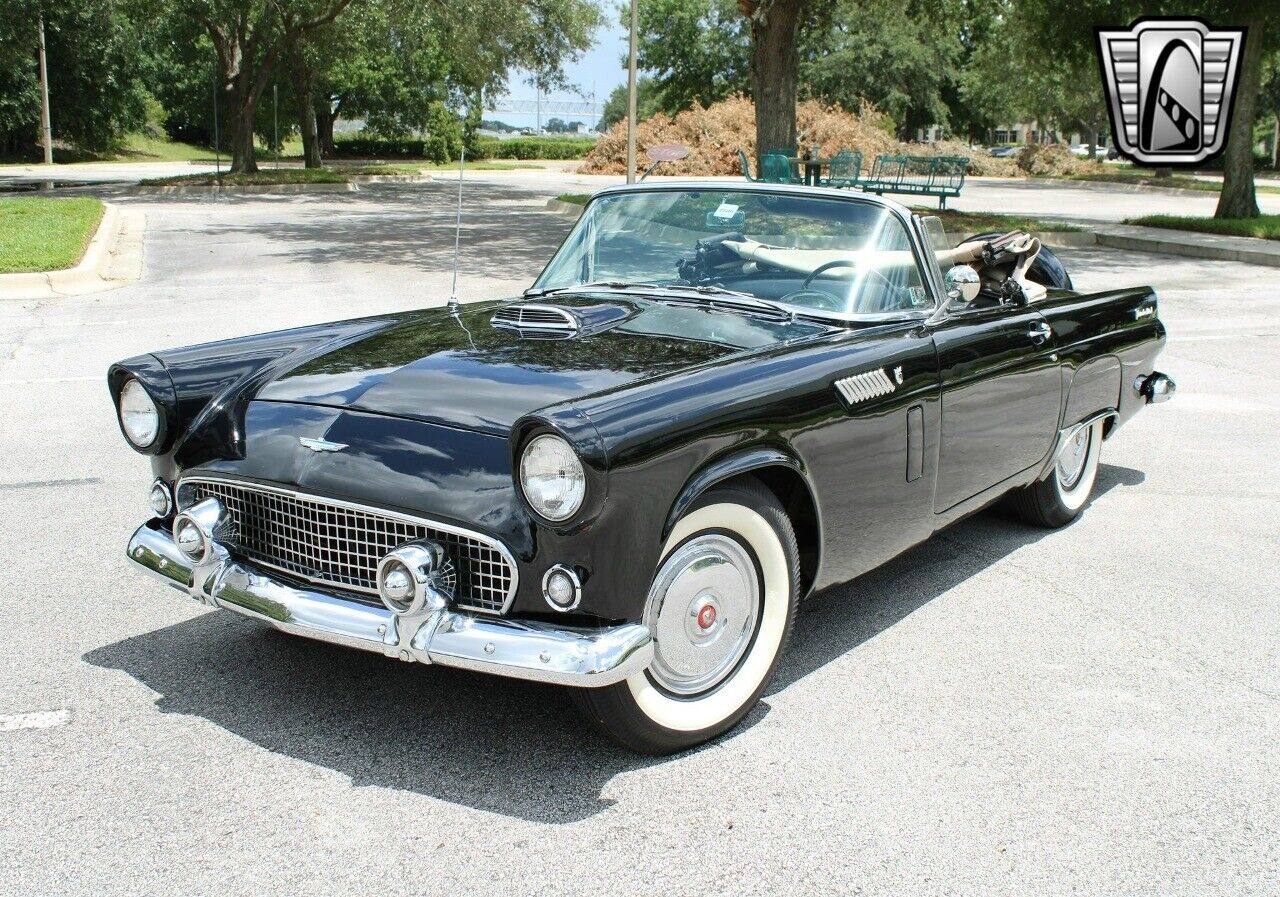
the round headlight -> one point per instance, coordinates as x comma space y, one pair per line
139, 416
551, 477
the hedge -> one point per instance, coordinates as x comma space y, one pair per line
485, 148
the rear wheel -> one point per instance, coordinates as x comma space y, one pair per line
1060, 497
720, 608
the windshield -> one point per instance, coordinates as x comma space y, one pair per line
812, 254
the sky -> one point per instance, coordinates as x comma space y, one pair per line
601, 66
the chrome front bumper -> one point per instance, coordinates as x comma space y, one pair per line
519, 649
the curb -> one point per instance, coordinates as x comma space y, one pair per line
112, 259
567, 209
181, 189
1140, 242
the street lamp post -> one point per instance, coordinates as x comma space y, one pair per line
46, 130
631, 99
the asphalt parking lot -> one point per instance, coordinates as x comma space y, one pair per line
1002, 710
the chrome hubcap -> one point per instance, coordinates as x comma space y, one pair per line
702, 611
1072, 457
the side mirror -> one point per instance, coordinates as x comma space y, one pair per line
962, 284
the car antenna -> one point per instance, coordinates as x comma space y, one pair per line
457, 233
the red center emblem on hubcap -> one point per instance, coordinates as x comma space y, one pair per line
706, 616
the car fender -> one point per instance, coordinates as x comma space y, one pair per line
742, 461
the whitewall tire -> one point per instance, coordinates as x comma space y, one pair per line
1060, 497
721, 608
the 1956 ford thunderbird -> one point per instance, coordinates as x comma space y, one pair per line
715, 400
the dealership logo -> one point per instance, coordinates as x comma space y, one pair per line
1171, 86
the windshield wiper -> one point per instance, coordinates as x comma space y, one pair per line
727, 298
593, 285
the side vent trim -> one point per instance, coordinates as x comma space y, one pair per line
867, 385
531, 316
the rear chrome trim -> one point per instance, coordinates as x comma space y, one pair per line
462, 532
520, 649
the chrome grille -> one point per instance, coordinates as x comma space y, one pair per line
338, 543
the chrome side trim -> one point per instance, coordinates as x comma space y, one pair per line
867, 385
1065, 435
367, 509
521, 649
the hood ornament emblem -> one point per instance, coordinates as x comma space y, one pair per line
321, 445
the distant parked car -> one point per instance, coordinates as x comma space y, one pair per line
1080, 149
1004, 152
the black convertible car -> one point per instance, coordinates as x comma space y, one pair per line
714, 400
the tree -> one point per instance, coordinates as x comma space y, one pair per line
249, 38
1067, 25
648, 101
95, 79
887, 53
399, 64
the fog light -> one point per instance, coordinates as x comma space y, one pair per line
190, 540
199, 529
396, 587
160, 499
562, 588
416, 577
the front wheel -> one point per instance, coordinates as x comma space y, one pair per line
1060, 497
720, 609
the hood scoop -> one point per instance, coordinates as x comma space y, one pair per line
536, 320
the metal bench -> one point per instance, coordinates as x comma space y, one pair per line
939, 176
845, 169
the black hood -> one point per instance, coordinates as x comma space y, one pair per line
458, 369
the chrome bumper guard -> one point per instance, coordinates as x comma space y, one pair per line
520, 649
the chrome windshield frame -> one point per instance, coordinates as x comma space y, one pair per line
905, 217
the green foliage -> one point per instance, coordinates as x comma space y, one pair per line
95, 88
699, 50
883, 52
444, 134
249, 179
534, 148
648, 101
43, 234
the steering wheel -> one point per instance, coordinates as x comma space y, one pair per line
838, 263
823, 299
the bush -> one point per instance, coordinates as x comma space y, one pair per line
715, 133
533, 148
446, 142
1047, 160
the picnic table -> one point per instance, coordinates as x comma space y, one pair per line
812, 166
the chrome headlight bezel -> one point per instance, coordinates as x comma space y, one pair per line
541, 454
143, 406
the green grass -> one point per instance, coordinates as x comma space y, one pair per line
578, 199
1146, 177
42, 234
265, 176
977, 222
1265, 227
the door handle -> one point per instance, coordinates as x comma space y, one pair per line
1040, 332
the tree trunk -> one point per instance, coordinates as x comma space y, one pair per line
302, 79
1238, 198
325, 117
773, 71
242, 109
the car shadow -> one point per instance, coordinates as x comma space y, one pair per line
509, 747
